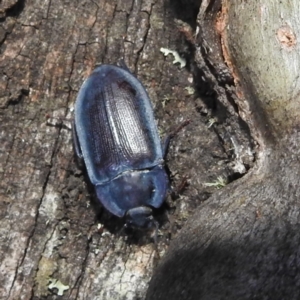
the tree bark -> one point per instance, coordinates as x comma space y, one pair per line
243, 243
52, 230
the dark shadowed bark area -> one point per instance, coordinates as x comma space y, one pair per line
243, 242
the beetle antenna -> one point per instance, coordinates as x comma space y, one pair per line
179, 128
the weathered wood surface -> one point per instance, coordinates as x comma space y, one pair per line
243, 243
50, 226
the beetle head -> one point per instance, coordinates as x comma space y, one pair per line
133, 194
141, 217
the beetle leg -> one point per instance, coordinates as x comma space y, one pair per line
155, 233
59, 122
165, 145
76, 145
176, 191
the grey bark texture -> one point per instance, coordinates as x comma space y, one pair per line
56, 241
243, 242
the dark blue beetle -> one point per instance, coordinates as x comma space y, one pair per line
116, 135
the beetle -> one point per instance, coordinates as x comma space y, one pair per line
115, 134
